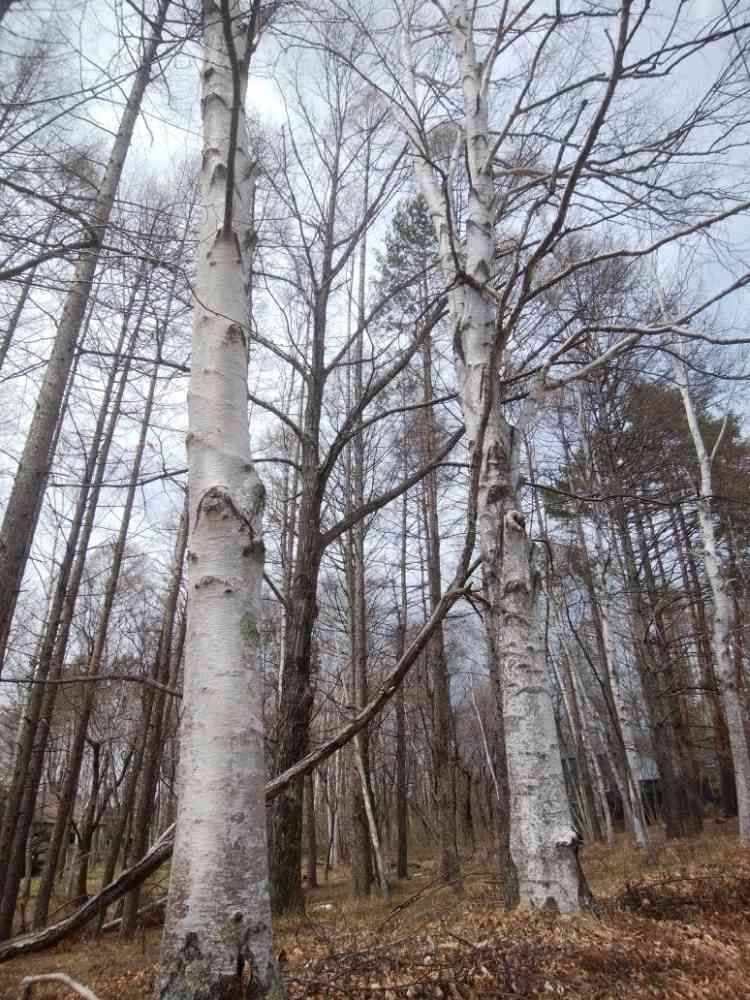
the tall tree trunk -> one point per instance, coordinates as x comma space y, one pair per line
86, 827
296, 696
544, 842
217, 934
720, 636
691, 582
22, 510
443, 746
402, 814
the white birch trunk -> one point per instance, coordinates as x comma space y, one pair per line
543, 838
217, 936
721, 617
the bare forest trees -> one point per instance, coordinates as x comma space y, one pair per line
462, 561
22, 509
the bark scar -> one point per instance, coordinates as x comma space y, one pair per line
214, 499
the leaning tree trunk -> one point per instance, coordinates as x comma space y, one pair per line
217, 935
22, 510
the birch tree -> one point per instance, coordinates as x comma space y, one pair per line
515, 152
217, 935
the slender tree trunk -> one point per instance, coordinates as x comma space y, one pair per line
721, 631
624, 738
312, 840
691, 582
296, 697
367, 800
22, 510
584, 715
86, 827
217, 934
402, 813
449, 867
28, 284
153, 727
70, 785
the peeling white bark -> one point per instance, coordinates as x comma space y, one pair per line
217, 934
543, 838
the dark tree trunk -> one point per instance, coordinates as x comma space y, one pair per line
70, 786
154, 724
443, 748
650, 656
31, 753
30, 482
691, 582
86, 829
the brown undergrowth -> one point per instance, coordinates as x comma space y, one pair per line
677, 930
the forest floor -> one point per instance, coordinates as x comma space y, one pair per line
678, 929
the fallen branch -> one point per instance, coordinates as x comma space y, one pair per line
161, 850
125, 881
27, 985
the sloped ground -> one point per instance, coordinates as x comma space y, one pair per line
679, 930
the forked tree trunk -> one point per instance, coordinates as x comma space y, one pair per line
217, 936
543, 838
